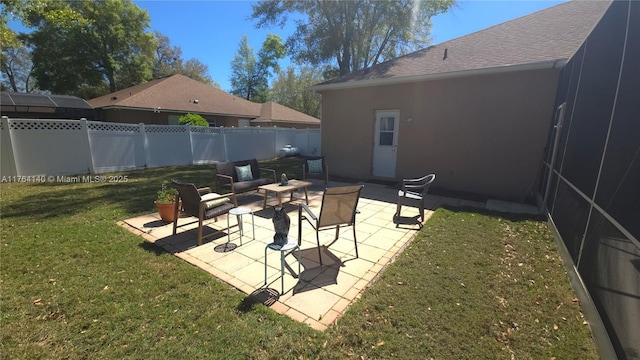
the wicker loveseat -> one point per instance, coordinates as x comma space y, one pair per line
235, 175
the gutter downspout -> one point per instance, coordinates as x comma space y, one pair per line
558, 126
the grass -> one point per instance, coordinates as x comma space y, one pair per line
74, 285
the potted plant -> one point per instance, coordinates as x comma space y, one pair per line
165, 202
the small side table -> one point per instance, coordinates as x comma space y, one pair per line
292, 244
238, 212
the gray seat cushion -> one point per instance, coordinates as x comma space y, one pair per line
244, 185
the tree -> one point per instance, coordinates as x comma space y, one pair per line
196, 70
291, 88
16, 69
168, 58
193, 119
250, 75
352, 34
107, 48
168, 61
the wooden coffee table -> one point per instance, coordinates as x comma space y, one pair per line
278, 189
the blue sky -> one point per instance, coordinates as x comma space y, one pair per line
210, 30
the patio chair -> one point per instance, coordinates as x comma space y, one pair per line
339, 207
413, 191
315, 167
201, 203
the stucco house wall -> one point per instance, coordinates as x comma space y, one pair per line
483, 134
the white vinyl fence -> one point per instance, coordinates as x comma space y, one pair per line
37, 147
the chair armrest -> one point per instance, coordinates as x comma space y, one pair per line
301, 217
270, 171
229, 178
205, 190
311, 214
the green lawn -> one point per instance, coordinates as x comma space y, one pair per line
74, 285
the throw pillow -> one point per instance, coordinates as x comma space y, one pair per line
244, 173
314, 166
213, 203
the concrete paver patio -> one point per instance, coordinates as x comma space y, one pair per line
319, 295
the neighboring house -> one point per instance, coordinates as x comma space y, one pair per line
475, 110
43, 106
163, 101
274, 114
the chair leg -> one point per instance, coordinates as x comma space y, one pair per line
398, 209
175, 225
318, 241
422, 212
265, 264
299, 265
355, 242
282, 272
200, 220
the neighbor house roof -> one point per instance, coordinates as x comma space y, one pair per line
181, 94
542, 39
274, 113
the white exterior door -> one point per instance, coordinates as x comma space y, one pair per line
385, 143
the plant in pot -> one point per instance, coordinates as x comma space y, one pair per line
165, 202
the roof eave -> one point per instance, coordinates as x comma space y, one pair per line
288, 121
546, 64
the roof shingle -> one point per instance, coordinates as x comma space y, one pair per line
272, 111
178, 93
547, 35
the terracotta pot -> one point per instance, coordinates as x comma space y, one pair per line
166, 211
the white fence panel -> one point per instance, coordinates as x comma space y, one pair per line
308, 141
250, 143
168, 145
7, 159
73, 147
314, 142
116, 147
284, 136
50, 147
207, 145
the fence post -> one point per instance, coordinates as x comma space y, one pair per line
188, 130
87, 144
5, 138
224, 142
145, 146
275, 141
